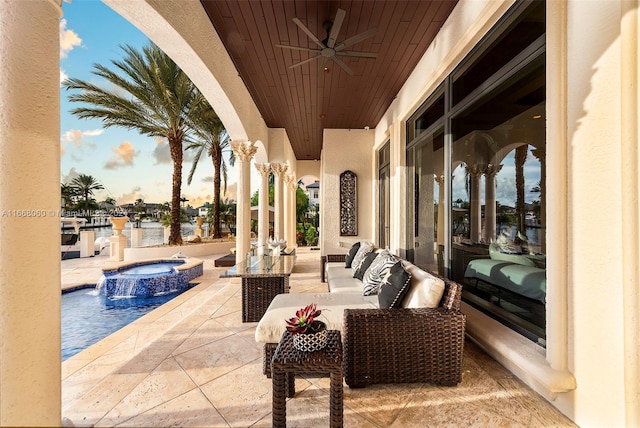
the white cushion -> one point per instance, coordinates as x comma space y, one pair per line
345, 285
332, 305
425, 290
337, 272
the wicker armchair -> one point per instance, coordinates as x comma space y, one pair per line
405, 345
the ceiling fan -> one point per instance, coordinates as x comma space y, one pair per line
328, 49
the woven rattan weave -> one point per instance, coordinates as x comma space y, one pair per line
401, 345
288, 362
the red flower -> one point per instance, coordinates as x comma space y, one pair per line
304, 321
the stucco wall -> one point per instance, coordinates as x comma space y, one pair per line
345, 150
593, 303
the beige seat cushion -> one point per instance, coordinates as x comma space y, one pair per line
332, 305
425, 291
335, 270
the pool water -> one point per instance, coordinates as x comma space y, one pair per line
155, 268
88, 317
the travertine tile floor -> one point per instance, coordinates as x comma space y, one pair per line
192, 362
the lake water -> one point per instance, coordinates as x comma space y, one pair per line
152, 232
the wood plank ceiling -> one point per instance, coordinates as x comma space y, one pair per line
307, 98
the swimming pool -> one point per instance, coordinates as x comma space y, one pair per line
88, 317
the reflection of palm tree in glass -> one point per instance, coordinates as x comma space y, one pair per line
520, 159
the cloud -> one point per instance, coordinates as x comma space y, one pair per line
63, 77
130, 197
123, 156
69, 39
77, 137
208, 179
197, 201
161, 151
68, 178
232, 192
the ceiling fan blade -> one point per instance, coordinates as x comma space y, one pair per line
308, 32
360, 54
297, 48
342, 65
355, 39
304, 62
324, 62
335, 28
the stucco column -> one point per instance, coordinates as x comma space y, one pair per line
294, 219
243, 151
29, 213
490, 202
475, 216
263, 205
289, 216
279, 171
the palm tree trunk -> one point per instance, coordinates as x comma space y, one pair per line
175, 146
521, 157
216, 158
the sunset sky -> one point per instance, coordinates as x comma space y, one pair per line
127, 164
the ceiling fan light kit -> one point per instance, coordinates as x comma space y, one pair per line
328, 50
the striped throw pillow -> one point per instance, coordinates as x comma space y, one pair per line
377, 272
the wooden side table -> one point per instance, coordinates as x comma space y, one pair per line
288, 362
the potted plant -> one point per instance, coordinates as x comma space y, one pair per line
309, 334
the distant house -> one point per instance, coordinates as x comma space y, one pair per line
313, 191
203, 210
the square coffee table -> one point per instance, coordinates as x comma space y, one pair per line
288, 362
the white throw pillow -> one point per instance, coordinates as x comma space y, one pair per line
425, 290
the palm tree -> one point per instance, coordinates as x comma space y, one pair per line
211, 137
68, 194
85, 186
520, 159
152, 95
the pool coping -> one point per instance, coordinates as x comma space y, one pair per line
189, 262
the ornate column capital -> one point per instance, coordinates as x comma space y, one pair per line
279, 169
263, 168
475, 170
289, 179
492, 170
439, 179
244, 150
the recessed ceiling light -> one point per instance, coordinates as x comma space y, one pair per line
537, 116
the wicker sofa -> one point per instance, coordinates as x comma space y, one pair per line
400, 345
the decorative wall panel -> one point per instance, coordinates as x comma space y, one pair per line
348, 204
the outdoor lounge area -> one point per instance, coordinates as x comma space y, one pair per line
193, 362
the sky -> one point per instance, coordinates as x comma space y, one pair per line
127, 164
